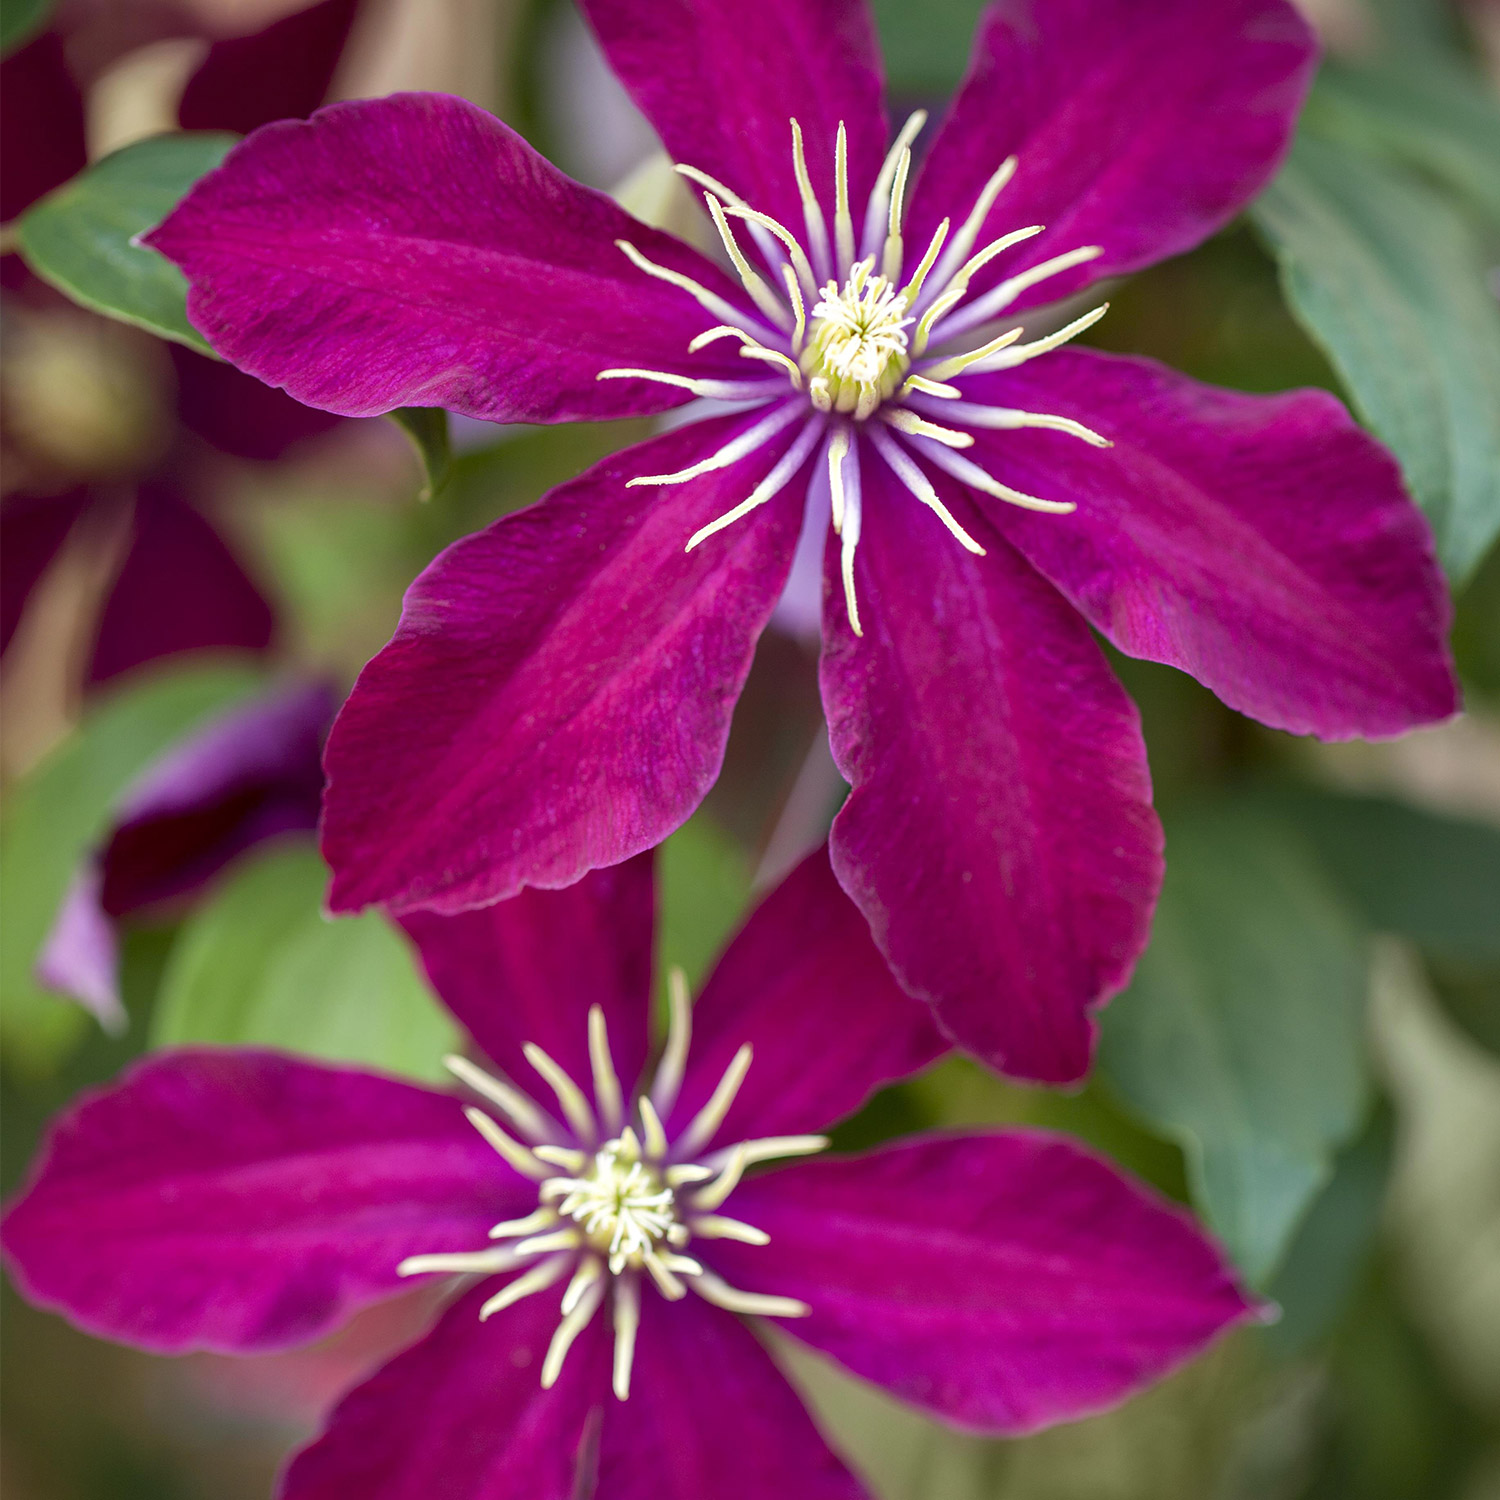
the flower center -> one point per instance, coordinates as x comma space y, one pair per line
856, 353
623, 1203
617, 1199
878, 363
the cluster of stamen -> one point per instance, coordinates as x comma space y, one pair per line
616, 1199
866, 346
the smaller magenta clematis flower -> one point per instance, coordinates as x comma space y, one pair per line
614, 1221
249, 774
870, 368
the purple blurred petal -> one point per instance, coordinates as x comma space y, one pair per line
415, 251
463, 1416
32, 531
710, 1415
81, 957
721, 81
1141, 128
528, 969
1263, 543
282, 71
41, 124
999, 837
558, 694
244, 1200
237, 413
804, 984
246, 776
180, 589
1002, 1281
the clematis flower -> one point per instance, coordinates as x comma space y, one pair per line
94, 432
250, 774
872, 363
611, 1221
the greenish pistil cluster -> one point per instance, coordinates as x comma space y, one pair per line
857, 348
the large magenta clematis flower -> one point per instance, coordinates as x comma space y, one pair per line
243, 1201
558, 694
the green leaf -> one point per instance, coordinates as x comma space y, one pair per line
926, 46
81, 237
1432, 115
58, 812
1432, 879
1241, 1034
260, 965
20, 20
1333, 1245
1390, 280
703, 880
427, 427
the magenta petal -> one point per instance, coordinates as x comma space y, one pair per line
710, 1415
1139, 128
414, 251
81, 956
283, 70
462, 1415
237, 413
528, 969
558, 694
32, 531
246, 776
999, 837
721, 80
41, 124
1004, 1281
244, 1200
1263, 543
804, 984
180, 589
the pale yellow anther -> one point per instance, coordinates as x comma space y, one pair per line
708, 1119
812, 211
843, 223
754, 283
679, 1033
533, 1223
627, 1322
570, 1097
712, 1196
712, 1289
606, 1083
903, 419
656, 1135
513, 1151
538, 1279
568, 1330
717, 1227
524, 1115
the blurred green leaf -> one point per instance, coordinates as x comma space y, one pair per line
1470, 995
1319, 1276
55, 815
1421, 875
1241, 1034
427, 427
926, 46
1438, 117
20, 20
81, 237
1391, 280
260, 965
703, 884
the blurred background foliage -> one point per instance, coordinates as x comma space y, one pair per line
1309, 1054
